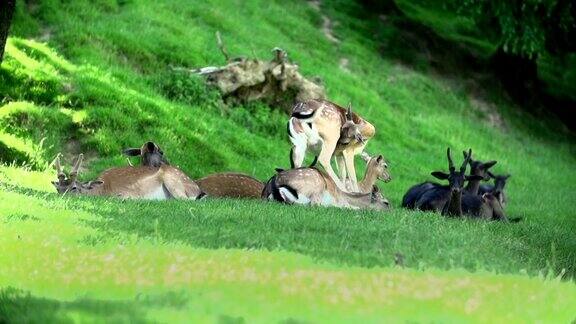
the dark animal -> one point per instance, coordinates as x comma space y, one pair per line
477, 168
150, 154
497, 189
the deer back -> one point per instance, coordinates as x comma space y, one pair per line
146, 182
231, 185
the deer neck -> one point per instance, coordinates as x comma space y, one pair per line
472, 187
453, 206
359, 200
368, 181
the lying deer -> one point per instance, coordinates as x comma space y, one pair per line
331, 130
480, 169
150, 155
144, 182
231, 185
310, 186
451, 199
497, 189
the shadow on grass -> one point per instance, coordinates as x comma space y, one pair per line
17, 306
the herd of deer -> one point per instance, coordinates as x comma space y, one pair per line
327, 130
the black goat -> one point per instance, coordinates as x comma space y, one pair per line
477, 168
497, 189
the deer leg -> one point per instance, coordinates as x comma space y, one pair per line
175, 189
297, 154
324, 159
349, 162
341, 166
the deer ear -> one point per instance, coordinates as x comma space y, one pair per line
365, 156
474, 178
379, 158
132, 152
440, 175
489, 164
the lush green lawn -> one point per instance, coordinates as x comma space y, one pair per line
101, 83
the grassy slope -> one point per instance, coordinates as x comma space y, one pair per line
98, 85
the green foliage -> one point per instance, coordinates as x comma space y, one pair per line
189, 89
527, 28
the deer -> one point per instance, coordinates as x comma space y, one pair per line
164, 182
231, 185
498, 188
376, 169
150, 155
453, 201
310, 186
480, 169
330, 130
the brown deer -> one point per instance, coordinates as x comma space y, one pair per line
143, 182
310, 186
331, 130
231, 185
376, 169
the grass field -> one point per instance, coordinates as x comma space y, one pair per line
94, 77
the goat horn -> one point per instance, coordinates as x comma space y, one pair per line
450, 162
466, 160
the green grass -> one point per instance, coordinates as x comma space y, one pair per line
102, 83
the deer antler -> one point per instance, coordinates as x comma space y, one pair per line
450, 162
61, 175
349, 111
466, 161
74, 172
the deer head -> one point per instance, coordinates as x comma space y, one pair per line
150, 153
377, 200
378, 165
70, 183
480, 168
455, 178
350, 130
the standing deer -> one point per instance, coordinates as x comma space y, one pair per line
164, 182
314, 187
331, 130
231, 185
480, 169
150, 155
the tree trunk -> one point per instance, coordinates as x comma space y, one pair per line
6, 12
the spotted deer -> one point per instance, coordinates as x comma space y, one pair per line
310, 186
231, 185
143, 182
330, 130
